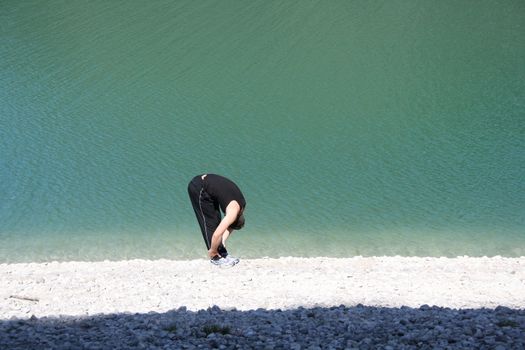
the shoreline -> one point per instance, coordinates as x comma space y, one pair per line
138, 286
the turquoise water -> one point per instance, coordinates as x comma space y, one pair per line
353, 128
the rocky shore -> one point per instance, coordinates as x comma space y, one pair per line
357, 327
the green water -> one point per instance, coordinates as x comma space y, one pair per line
352, 127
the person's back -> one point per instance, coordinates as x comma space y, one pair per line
223, 190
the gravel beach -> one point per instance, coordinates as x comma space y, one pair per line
285, 303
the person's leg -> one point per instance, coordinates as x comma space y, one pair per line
194, 190
222, 251
207, 212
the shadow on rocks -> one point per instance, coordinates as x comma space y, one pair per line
359, 327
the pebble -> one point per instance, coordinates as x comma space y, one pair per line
362, 327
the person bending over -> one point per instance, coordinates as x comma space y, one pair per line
211, 194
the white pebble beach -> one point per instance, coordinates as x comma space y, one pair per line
140, 286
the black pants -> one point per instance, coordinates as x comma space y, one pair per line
206, 210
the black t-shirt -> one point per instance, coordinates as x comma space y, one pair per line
223, 191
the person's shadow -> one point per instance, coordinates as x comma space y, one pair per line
358, 327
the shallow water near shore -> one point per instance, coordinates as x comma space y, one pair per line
382, 128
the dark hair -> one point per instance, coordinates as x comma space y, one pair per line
239, 223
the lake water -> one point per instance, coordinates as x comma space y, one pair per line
353, 128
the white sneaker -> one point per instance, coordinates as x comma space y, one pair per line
224, 262
232, 259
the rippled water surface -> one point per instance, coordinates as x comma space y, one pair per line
353, 128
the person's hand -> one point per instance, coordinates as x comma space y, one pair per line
213, 253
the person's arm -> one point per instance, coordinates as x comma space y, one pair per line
225, 236
221, 232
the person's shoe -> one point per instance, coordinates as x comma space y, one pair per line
232, 258
223, 262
